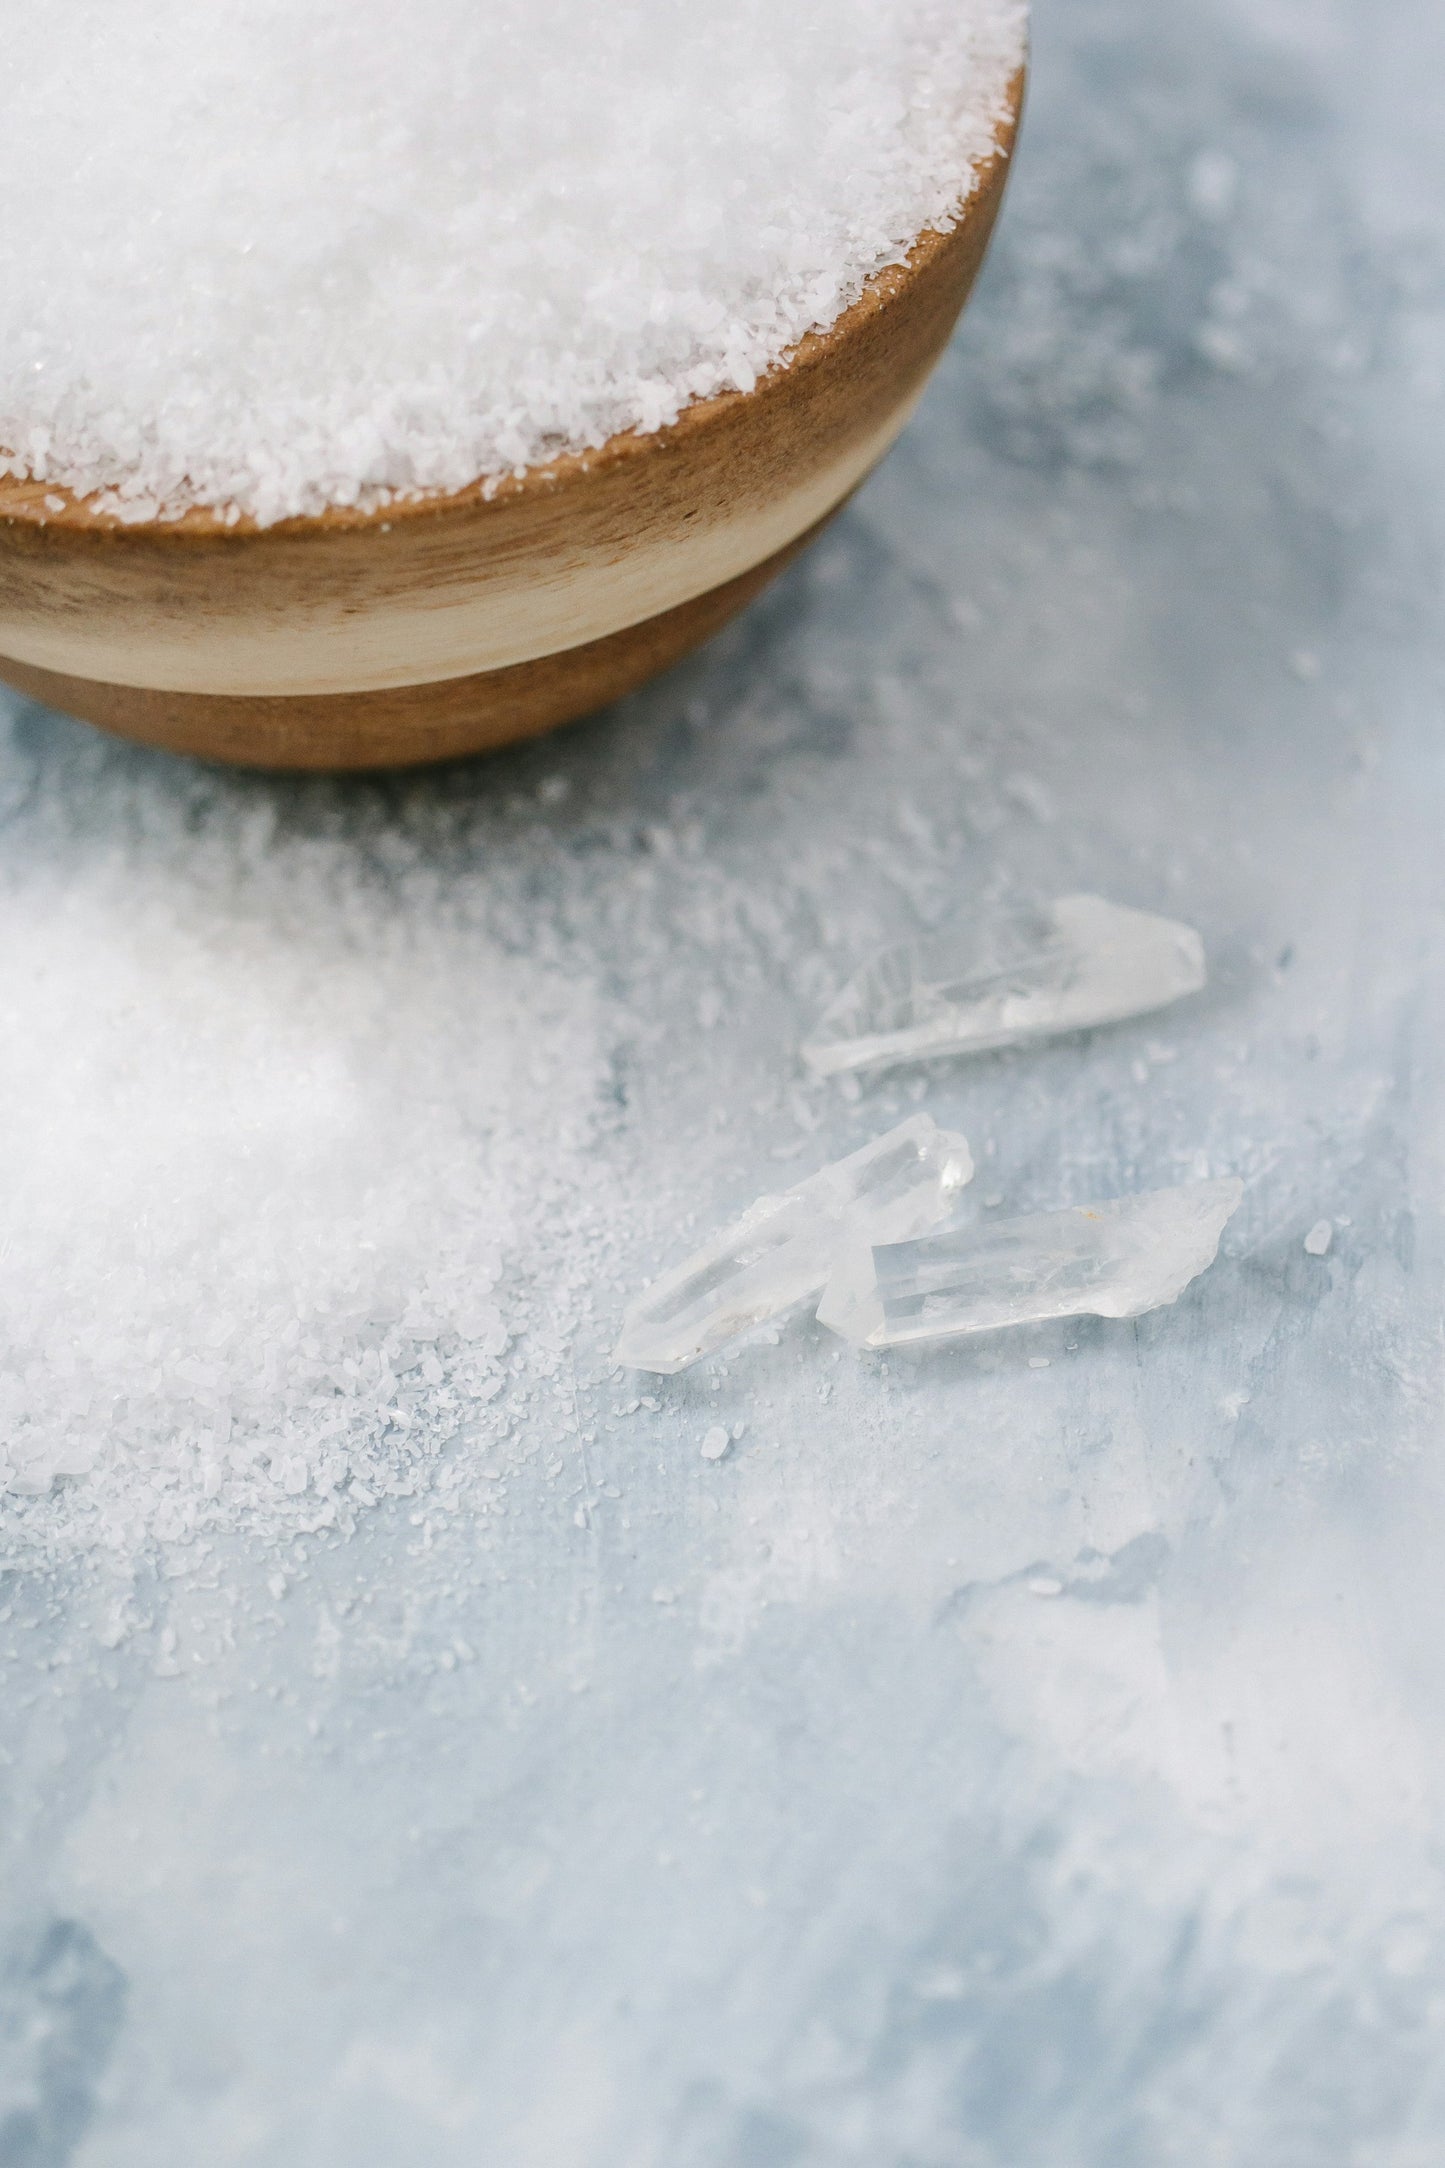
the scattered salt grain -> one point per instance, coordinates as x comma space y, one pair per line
715, 1443
274, 258
1319, 1238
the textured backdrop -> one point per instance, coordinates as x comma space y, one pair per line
983, 1765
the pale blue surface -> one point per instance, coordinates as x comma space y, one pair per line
854, 1850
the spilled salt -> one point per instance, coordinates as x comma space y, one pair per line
300, 1205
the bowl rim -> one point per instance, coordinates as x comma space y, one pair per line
30, 503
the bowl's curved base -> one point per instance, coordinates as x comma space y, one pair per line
406, 725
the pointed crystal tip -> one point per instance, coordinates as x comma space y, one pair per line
779, 1253
1117, 1259
1082, 962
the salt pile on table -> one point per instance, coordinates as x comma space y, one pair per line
275, 258
300, 1190
1117, 1259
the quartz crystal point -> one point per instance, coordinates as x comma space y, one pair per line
779, 1254
1101, 1260
1082, 961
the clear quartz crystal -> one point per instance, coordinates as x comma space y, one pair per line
1100, 1260
780, 1252
1082, 961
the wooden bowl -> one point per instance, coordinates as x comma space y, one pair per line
458, 623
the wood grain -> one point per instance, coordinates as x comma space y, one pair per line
408, 725
457, 623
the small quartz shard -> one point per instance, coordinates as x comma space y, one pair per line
1081, 962
1116, 1259
779, 1254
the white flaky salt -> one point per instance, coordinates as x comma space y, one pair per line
1319, 1238
1118, 1259
299, 1166
280, 257
1081, 962
780, 1252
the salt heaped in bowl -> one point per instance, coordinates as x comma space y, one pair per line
285, 257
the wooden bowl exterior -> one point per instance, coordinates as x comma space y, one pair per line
456, 624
